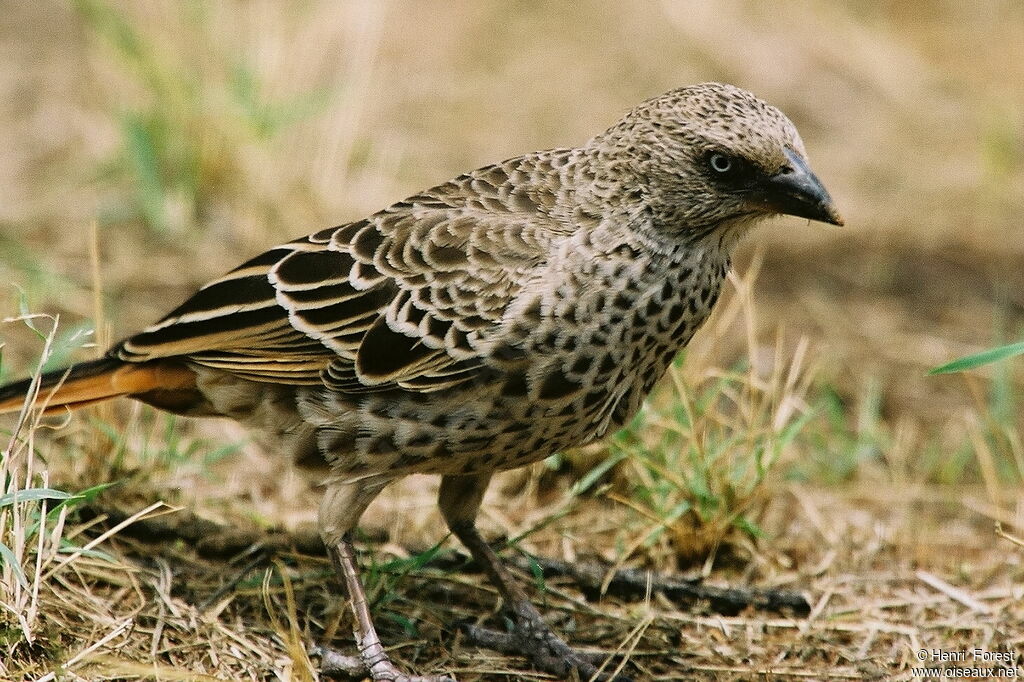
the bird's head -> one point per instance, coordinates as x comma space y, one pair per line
713, 155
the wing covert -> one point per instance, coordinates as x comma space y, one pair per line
403, 299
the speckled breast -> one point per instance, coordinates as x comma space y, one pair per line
574, 366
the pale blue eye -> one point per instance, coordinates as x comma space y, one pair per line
720, 163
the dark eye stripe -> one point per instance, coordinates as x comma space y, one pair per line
733, 171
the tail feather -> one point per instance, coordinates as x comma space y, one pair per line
91, 382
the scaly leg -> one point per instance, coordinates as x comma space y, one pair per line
460, 499
340, 509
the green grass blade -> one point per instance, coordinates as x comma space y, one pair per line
7, 557
586, 482
978, 359
33, 495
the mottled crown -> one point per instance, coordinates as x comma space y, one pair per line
665, 143
706, 114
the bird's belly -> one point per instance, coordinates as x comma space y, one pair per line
480, 427
463, 432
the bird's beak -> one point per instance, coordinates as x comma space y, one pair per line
796, 190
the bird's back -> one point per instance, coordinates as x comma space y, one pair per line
404, 298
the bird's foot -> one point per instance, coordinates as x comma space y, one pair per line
379, 668
372, 659
531, 637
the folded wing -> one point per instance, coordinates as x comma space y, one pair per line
403, 299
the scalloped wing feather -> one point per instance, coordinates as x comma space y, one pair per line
402, 299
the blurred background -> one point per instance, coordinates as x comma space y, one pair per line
175, 139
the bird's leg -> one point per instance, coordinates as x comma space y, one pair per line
340, 509
459, 499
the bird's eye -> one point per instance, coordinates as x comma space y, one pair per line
720, 163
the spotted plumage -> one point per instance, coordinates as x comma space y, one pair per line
517, 310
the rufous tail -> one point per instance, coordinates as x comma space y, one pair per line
92, 382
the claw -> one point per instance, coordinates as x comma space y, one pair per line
530, 636
336, 664
547, 651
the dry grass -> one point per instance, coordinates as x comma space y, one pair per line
218, 129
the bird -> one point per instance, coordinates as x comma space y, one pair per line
515, 311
